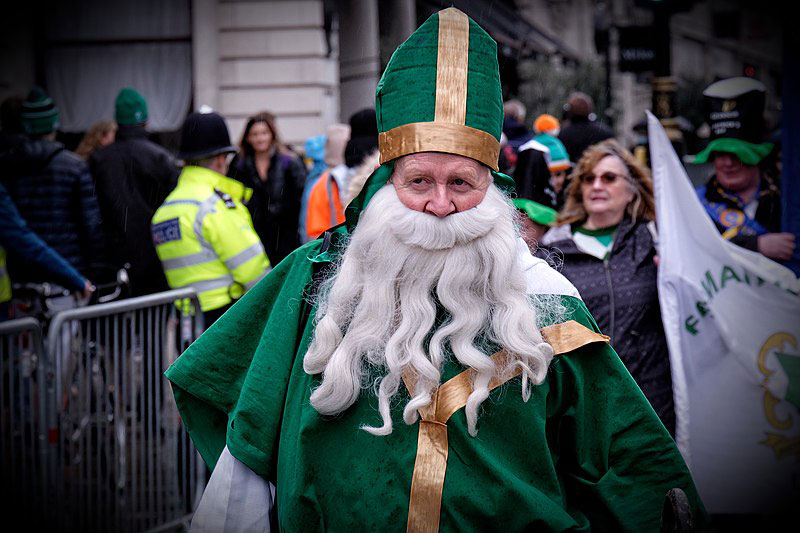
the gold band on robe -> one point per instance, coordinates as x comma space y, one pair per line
430, 465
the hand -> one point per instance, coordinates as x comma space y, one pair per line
88, 289
656, 260
778, 246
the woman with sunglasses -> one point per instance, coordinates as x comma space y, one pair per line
606, 232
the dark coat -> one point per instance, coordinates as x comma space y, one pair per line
54, 193
133, 176
275, 204
18, 239
622, 295
580, 134
516, 133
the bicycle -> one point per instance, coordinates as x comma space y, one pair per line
79, 379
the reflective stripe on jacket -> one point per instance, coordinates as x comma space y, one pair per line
204, 238
5, 282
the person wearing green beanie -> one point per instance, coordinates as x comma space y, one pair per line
146, 173
416, 367
130, 107
742, 198
40, 116
53, 191
558, 162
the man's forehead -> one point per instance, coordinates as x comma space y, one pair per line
442, 162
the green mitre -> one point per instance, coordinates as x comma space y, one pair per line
440, 92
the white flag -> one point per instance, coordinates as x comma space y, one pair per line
732, 320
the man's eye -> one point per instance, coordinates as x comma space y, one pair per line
459, 182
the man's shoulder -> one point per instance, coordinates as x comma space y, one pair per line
67, 161
541, 278
139, 148
534, 144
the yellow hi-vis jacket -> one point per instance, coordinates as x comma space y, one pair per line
204, 237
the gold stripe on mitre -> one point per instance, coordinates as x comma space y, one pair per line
448, 132
451, 67
430, 465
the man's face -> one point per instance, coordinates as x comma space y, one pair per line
440, 184
733, 174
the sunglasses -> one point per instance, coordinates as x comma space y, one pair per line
606, 177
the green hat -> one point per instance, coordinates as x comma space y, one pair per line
748, 153
440, 92
559, 158
130, 107
541, 214
39, 113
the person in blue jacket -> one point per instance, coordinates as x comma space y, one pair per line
18, 239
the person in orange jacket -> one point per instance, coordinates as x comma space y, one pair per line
329, 196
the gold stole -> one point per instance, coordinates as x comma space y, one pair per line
430, 465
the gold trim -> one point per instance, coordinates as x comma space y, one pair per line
430, 465
451, 67
570, 335
439, 137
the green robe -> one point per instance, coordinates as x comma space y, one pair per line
585, 452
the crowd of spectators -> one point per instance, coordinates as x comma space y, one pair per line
93, 209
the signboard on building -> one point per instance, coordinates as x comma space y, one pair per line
637, 49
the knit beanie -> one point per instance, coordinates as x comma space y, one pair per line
130, 107
336, 137
559, 158
40, 115
546, 124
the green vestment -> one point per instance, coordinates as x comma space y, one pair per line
585, 452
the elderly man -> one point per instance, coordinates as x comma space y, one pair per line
416, 367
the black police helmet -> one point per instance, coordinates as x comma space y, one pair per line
204, 135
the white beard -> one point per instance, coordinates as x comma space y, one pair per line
380, 305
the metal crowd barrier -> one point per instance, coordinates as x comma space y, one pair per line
116, 455
22, 404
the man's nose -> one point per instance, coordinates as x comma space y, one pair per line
440, 204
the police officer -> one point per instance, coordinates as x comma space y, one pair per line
203, 233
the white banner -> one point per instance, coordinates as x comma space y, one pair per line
732, 319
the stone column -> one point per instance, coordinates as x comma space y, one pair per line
398, 21
205, 53
359, 55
